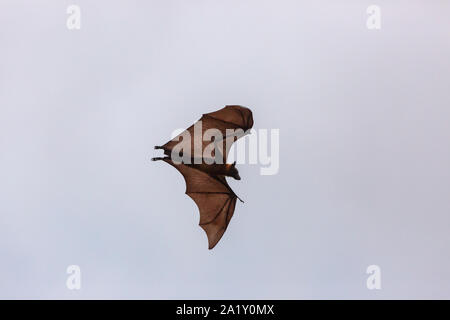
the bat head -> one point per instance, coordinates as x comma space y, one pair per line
233, 172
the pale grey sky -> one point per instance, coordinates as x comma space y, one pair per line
364, 159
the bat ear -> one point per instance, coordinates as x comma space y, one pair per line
234, 164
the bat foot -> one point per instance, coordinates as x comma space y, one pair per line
158, 147
157, 158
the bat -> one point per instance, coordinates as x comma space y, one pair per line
199, 153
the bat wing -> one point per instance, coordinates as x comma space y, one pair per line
229, 117
214, 198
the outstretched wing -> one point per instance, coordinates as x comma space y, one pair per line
214, 198
237, 119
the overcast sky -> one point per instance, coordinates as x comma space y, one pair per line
364, 173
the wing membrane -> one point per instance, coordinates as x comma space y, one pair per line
214, 198
236, 118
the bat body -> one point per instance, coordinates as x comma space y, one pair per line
199, 153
